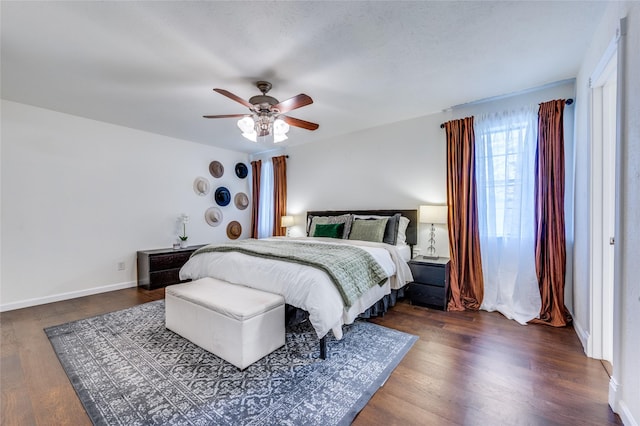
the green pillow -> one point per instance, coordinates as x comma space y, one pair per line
331, 230
368, 230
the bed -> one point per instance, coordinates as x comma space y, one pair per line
312, 287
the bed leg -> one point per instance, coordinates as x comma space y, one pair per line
323, 348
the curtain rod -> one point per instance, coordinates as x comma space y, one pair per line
568, 102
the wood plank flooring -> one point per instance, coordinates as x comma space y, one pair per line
470, 368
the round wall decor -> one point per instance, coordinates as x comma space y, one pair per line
234, 230
201, 186
241, 200
241, 170
216, 169
213, 216
222, 196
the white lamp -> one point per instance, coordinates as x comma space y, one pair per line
433, 215
286, 222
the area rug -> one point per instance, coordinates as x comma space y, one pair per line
128, 369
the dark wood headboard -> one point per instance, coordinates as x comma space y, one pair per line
412, 215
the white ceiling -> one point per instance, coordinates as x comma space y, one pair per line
152, 65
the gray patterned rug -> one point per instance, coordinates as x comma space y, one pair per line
128, 369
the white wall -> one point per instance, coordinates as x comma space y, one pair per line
79, 196
624, 395
384, 167
396, 166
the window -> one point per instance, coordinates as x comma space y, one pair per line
499, 162
505, 180
265, 210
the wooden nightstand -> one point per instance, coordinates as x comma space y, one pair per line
430, 284
161, 267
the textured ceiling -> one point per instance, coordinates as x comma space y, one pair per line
152, 65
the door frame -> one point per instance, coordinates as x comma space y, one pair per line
600, 339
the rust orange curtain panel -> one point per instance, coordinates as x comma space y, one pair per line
279, 194
549, 214
466, 280
256, 169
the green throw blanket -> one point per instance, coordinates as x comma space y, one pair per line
352, 269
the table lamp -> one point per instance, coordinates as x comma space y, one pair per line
286, 222
433, 215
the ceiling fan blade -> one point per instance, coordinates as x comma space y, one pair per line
299, 123
227, 116
293, 103
234, 97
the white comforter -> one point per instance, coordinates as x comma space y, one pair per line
302, 286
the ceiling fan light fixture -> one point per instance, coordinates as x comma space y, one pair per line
253, 136
280, 129
263, 123
279, 138
262, 126
247, 127
246, 124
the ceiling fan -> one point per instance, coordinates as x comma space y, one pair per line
267, 114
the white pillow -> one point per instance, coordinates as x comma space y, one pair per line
402, 231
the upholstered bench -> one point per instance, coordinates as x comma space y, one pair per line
239, 324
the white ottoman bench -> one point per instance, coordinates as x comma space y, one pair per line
239, 324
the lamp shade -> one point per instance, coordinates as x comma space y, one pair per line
433, 214
246, 124
286, 221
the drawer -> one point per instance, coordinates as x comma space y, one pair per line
426, 295
162, 278
163, 261
428, 274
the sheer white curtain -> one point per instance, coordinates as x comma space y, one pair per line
266, 208
505, 176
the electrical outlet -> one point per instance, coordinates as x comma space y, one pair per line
121, 266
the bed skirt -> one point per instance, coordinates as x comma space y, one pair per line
295, 315
383, 305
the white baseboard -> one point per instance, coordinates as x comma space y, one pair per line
620, 406
626, 416
613, 393
583, 336
65, 296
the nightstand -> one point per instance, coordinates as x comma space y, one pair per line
430, 284
161, 267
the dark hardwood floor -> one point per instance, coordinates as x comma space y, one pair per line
471, 368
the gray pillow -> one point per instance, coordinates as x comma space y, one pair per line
368, 230
325, 220
391, 230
